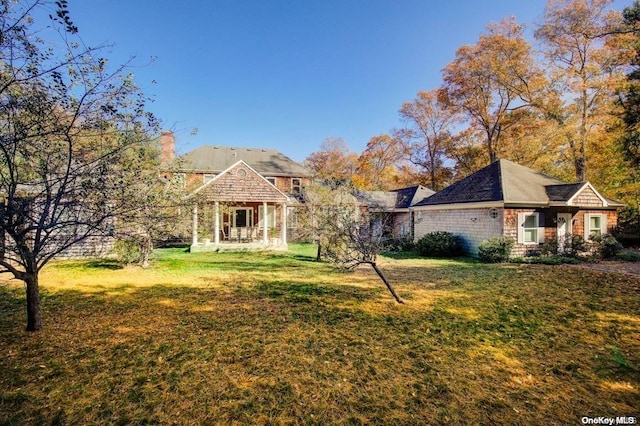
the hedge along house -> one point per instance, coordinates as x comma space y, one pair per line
244, 198
510, 200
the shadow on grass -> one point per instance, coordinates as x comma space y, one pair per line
304, 292
400, 255
109, 264
283, 334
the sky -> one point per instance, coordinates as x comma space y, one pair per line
287, 74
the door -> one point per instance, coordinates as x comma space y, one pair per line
242, 217
563, 228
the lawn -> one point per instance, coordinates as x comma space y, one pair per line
219, 338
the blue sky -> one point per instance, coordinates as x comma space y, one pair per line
286, 74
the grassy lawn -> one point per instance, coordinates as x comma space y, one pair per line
280, 339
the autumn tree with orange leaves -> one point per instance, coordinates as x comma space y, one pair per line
379, 165
426, 135
491, 81
583, 75
334, 162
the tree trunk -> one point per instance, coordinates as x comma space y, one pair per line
147, 248
384, 280
34, 315
318, 253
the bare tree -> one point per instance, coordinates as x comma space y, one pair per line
69, 130
347, 233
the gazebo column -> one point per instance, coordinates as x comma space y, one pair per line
265, 223
195, 225
284, 223
216, 226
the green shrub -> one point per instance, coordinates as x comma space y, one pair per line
606, 246
629, 256
495, 250
572, 245
128, 251
439, 244
628, 240
546, 260
402, 244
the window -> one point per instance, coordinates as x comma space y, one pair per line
493, 213
530, 230
241, 217
206, 178
296, 185
271, 180
594, 225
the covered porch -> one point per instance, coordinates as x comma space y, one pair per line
246, 226
239, 210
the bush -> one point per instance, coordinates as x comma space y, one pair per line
629, 256
546, 260
402, 244
573, 245
439, 244
628, 240
128, 251
495, 250
606, 246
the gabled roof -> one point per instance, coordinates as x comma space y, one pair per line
563, 192
406, 197
240, 182
395, 199
383, 200
512, 184
215, 159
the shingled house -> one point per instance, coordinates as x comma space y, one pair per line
244, 198
394, 208
507, 199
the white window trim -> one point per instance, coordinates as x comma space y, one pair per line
587, 224
539, 227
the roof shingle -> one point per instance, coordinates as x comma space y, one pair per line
214, 159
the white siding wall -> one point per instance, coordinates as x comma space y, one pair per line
473, 225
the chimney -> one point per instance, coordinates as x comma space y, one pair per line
167, 146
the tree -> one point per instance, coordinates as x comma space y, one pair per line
68, 125
630, 92
335, 161
627, 39
356, 239
491, 80
162, 208
378, 164
346, 233
583, 73
428, 120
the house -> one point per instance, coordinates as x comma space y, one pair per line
395, 205
243, 198
507, 199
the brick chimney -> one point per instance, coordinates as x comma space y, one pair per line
167, 146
